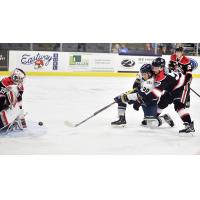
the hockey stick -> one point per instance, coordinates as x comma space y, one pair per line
195, 92
97, 112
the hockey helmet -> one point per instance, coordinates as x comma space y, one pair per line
179, 49
146, 68
158, 62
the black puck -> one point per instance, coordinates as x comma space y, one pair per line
40, 123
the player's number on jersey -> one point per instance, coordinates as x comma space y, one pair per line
146, 90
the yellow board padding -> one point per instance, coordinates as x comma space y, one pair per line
196, 75
103, 74
95, 74
4, 73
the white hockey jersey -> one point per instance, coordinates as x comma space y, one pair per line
147, 85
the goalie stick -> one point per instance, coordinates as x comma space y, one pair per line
97, 112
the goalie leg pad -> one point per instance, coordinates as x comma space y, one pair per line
9, 115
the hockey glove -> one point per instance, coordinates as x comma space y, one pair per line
172, 65
136, 105
121, 99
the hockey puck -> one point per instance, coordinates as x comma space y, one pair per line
40, 123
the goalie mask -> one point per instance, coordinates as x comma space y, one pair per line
18, 76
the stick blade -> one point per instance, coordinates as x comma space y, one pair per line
69, 124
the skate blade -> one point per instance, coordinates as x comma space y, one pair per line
118, 126
184, 134
142, 125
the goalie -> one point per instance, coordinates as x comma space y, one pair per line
11, 91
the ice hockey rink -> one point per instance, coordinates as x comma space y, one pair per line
53, 100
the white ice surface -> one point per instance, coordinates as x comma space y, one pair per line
53, 100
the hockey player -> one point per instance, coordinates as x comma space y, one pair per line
11, 91
180, 62
173, 86
143, 94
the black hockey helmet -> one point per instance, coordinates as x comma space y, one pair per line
179, 49
158, 62
146, 68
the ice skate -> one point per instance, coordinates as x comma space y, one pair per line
168, 120
119, 123
189, 128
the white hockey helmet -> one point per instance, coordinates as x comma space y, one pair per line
18, 76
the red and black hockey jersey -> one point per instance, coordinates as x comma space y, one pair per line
4, 85
165, 82
183, 65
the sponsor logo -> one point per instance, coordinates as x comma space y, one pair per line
78, 60
55, 61
2, 57
101, 61
193, 63
38, 64
128, 63
38, 60
143, 60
